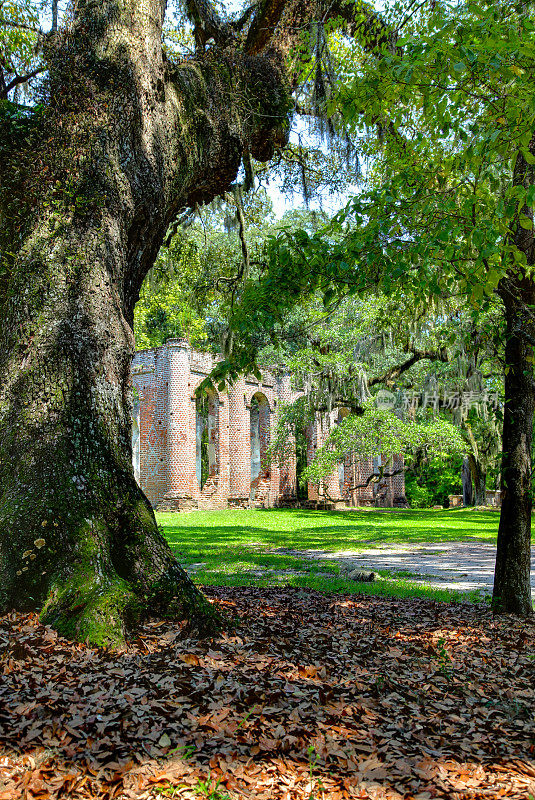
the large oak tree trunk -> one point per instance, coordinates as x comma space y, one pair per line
89, 185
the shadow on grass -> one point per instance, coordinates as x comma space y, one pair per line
247, 548
333, 530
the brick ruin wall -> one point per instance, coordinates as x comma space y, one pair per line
234, 427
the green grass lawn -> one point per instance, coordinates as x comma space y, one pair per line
238, 548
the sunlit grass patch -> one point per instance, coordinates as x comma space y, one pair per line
332, 530
250, 548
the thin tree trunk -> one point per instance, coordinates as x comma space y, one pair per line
512, 591
479, 480
88, 189
466, 476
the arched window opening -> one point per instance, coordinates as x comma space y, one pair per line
207, 434
136, 452
260, 434
343, 466
301, 448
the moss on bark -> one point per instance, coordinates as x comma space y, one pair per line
97, 611
104, 591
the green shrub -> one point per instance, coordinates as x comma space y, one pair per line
429, 483
418, 496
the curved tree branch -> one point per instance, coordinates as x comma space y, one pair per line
375, 477
208, 24
418, 355
19, 79
263, 25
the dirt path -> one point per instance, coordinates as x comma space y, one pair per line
452, 565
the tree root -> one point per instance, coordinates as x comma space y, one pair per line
99, 611
118, 580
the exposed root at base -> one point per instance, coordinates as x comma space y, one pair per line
105, 611
100, 612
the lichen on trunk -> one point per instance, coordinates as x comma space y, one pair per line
79, 539
89, 183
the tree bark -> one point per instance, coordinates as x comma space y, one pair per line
512, 590
479, 478
466, 476
88, 187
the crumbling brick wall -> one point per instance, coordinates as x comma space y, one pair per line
166, 380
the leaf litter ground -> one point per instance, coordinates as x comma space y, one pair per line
309, 696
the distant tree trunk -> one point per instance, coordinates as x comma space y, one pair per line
88, 188
466, 475
479, 478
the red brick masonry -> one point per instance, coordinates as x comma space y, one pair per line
237, 424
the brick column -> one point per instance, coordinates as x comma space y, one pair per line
195, 489
275, 471
363, 470
349, 478
239, 444
384, 496
332, 485
288, 470
181, 442
136, 440
150, 371
161, 377
332, 482
148, 456
389, 496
